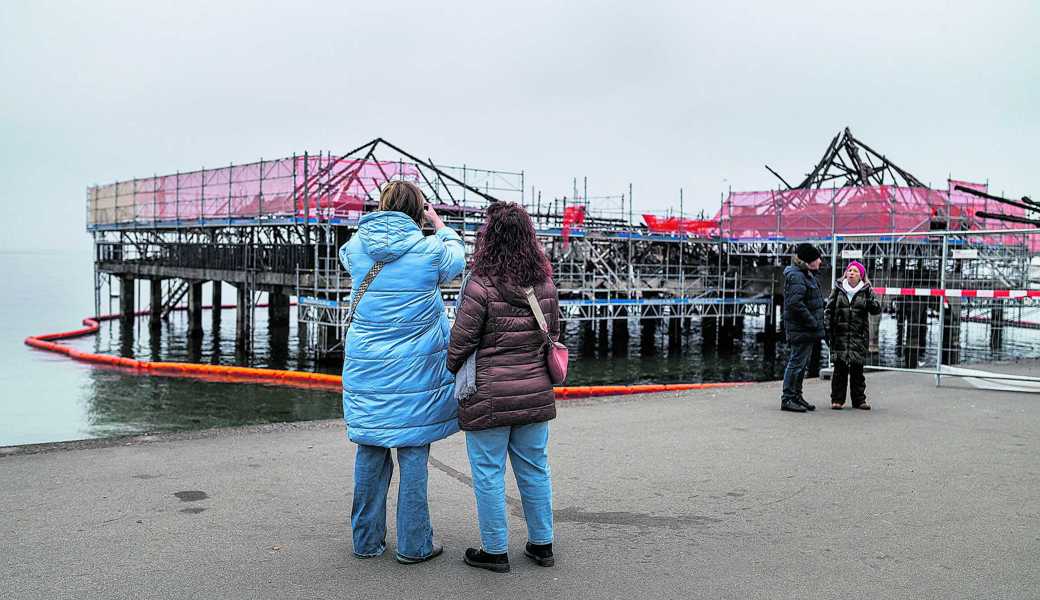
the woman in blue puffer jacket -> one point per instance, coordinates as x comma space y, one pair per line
397, 390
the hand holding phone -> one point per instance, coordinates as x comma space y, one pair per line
432, 217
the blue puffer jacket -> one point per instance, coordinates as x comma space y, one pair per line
397, 390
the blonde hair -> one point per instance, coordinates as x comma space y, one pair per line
403, 196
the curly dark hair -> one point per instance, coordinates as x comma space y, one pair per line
507, 248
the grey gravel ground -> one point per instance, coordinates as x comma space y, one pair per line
711, 494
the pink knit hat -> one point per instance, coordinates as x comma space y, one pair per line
859, 267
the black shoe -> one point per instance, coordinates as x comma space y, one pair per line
807, 406
408, 560
540, 553
499, 563
792, 406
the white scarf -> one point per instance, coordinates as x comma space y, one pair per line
850, 291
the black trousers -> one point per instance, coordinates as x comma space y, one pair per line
844, 375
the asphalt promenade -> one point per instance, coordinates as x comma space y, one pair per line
706, 494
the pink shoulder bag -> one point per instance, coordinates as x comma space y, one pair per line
557, 356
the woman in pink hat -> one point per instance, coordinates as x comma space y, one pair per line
848, 334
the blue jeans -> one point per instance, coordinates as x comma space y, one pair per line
373, 468
526, 446
794, 374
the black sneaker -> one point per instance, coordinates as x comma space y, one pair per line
499, 563
540, 553
408, 560
809, 407
792, 406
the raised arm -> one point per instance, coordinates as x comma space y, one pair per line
344, 257
453, 253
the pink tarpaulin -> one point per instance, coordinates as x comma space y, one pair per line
817, 213
311, 187
677, 225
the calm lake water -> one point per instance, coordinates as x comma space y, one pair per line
46, 397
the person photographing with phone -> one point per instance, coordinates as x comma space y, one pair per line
397, 391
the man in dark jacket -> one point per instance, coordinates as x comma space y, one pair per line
803, 322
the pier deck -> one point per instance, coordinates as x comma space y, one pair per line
276, 226
711, 494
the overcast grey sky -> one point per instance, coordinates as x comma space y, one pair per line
696, 95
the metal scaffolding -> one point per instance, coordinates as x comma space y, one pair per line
275, 226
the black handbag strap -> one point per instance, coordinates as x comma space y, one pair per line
376, 268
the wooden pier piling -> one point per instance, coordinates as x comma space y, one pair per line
216, 302
127, 304
619, 336
243, 317
155, 303
587, 339
195, 309
648, 336
996, 327
674, 336
278, 309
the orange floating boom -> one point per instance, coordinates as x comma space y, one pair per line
300, 379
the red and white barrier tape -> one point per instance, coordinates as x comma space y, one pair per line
893, 291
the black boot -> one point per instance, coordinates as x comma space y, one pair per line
540, 553
792, 405
499, 563
809, 407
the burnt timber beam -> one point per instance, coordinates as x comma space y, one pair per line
264, 280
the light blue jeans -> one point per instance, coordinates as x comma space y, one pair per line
373, 469
526, 446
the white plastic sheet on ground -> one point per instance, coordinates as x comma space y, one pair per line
989, 380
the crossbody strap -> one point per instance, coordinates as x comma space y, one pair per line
376, 268
537, 310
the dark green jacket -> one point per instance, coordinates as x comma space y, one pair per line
848, 325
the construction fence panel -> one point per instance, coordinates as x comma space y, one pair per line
952, 302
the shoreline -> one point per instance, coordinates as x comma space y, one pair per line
1020, 366
158, 437
154, 437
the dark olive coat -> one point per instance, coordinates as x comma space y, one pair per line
496, 322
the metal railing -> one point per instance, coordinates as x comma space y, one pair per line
949, 298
